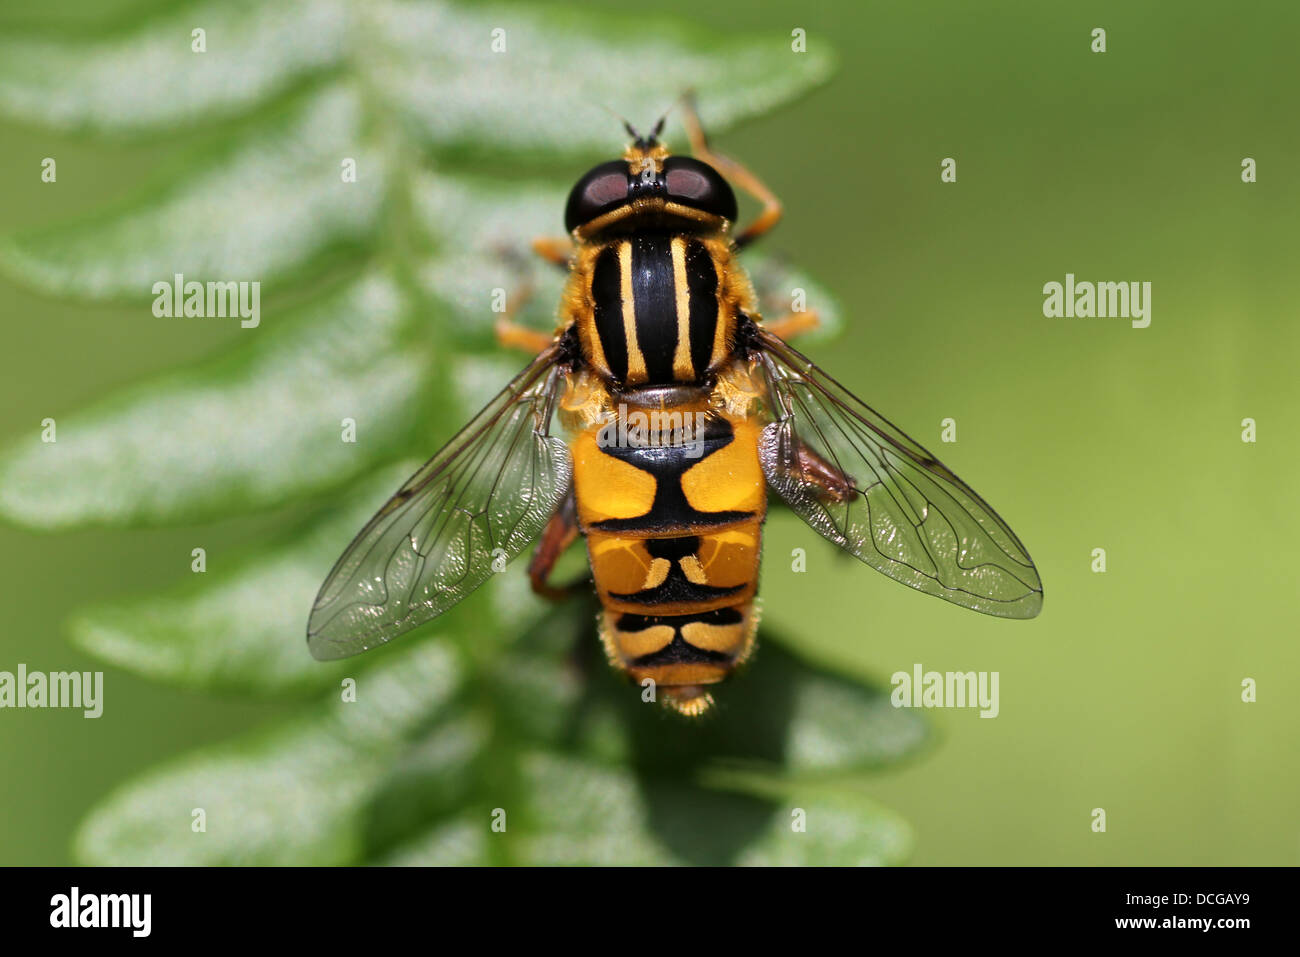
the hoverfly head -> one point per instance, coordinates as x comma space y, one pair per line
649, 179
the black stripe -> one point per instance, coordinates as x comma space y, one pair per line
667, 463
606, 292
677, 589
673, 549
654, 291
702, 282
679, 650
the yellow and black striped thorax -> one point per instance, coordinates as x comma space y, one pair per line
656, 311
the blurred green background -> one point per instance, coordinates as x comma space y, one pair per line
1125, 693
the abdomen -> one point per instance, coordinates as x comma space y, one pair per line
673, 518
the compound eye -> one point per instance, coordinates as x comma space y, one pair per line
700, 186
601, 189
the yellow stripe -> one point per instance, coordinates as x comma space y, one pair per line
594, 346
585, 313
657, 574
693, 570
591, 336
636, 372
724, 316
683, 368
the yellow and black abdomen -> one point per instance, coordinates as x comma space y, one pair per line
673, 514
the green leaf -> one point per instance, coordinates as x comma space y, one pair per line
461, 842
561, 70
298, 793
436, 776
481, 229
244, 629
583, 813
256, 212
841, 831
838, 724
537, 688
431, 64
254, 428
150, 78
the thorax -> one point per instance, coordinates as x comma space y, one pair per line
655, 306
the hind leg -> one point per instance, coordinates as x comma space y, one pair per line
560, 532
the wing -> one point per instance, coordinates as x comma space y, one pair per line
479, 501
863, 484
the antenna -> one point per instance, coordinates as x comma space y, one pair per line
631, 130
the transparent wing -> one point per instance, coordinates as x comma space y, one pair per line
480, 500
863, 484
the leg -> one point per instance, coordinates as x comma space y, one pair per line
832, 484
738, 174
557, 250
793, 324
553, 249
512, 334
560, 532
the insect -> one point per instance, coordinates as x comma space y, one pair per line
652, 422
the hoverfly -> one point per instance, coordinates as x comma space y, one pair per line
652, 422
